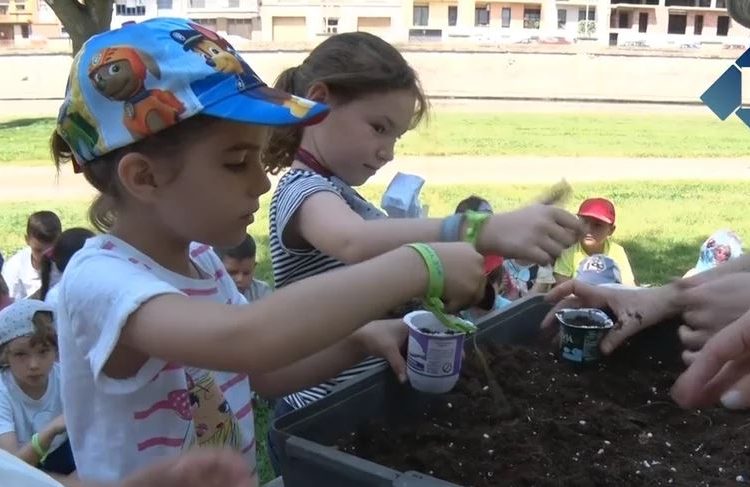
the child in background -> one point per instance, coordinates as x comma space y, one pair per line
57, 258
318, 221
21, 271
240, 264
598, 216
5, 298
156, 355
719, 248
32, 426
493, 269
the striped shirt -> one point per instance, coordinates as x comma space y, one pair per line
293, 264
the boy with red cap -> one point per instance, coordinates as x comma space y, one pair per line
598, 214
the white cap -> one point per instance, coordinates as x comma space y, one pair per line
16, 320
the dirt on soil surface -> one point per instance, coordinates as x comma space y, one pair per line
610, 424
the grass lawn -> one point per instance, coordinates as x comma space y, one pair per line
660, 225
497, 134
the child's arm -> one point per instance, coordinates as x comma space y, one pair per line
537, 233
379, 338
285, 327
27, 453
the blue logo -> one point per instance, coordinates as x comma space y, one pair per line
724, 96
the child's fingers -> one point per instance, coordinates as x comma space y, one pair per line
731, 343
692, 339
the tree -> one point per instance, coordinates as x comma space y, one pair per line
82, 18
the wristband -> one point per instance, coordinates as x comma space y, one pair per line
450, 230
474, 222
37, 447
435, 288
435, 273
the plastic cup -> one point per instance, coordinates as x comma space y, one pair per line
434, 354
581, 332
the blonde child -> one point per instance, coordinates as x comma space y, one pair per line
32, 426
167, 122
318, 221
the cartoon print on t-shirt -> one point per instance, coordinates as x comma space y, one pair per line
215, 423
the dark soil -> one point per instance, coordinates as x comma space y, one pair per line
610, 424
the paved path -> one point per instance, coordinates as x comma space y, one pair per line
22, 183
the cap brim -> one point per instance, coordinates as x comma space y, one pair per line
596, 216
267, 106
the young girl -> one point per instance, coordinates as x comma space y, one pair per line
167, 122
68, 243
318, 222
31, 412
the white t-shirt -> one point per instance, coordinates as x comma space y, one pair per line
25, 416
118, 426
21, 277
17, 473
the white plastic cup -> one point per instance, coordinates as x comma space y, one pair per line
434, 354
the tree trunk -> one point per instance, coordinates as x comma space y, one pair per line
82, 19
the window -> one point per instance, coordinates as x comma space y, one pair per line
623, 20
20, 7
721, 3
531, 18
505, 18
25, 31
421, 14
590, 13
482, 16
164, 4
562, 18
452, 15
677, 24
197, 3
722, 26
233, 3
331, 25
698, 25
643, 22
130, 8
3, 9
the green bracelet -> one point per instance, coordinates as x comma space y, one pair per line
37, 447
475, 220
435, 272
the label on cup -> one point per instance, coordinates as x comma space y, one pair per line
433, 357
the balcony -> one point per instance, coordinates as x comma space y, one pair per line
16, 12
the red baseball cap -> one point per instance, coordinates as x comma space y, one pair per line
599, 208
491, 262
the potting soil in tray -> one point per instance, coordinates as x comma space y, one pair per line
612, 423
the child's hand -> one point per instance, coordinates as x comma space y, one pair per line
538, 233
385, 339
635, 309
57, 425
709, 306
464, 274
196, 468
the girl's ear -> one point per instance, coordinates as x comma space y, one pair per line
319, 92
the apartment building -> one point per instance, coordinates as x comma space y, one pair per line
311, 20
16, 17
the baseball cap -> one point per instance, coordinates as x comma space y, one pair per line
16, 320
599, 269
720, 247
599, 208
131, 82
492, 262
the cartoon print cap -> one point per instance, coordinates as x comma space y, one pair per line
721, 246
131, 82
599, 269
16, 319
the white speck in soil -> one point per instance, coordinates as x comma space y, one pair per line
606, 442
670, 481
649, 435
582, 422
553, 379
486, 436
486, 388
637, 472
653, 389
450, 406
672, 469
669, 445
601, 450
740, 479
655, 462
721, 470
698, 448
490, 474
646, 464
490, 451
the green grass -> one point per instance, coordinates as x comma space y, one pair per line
497, 134
661, 226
